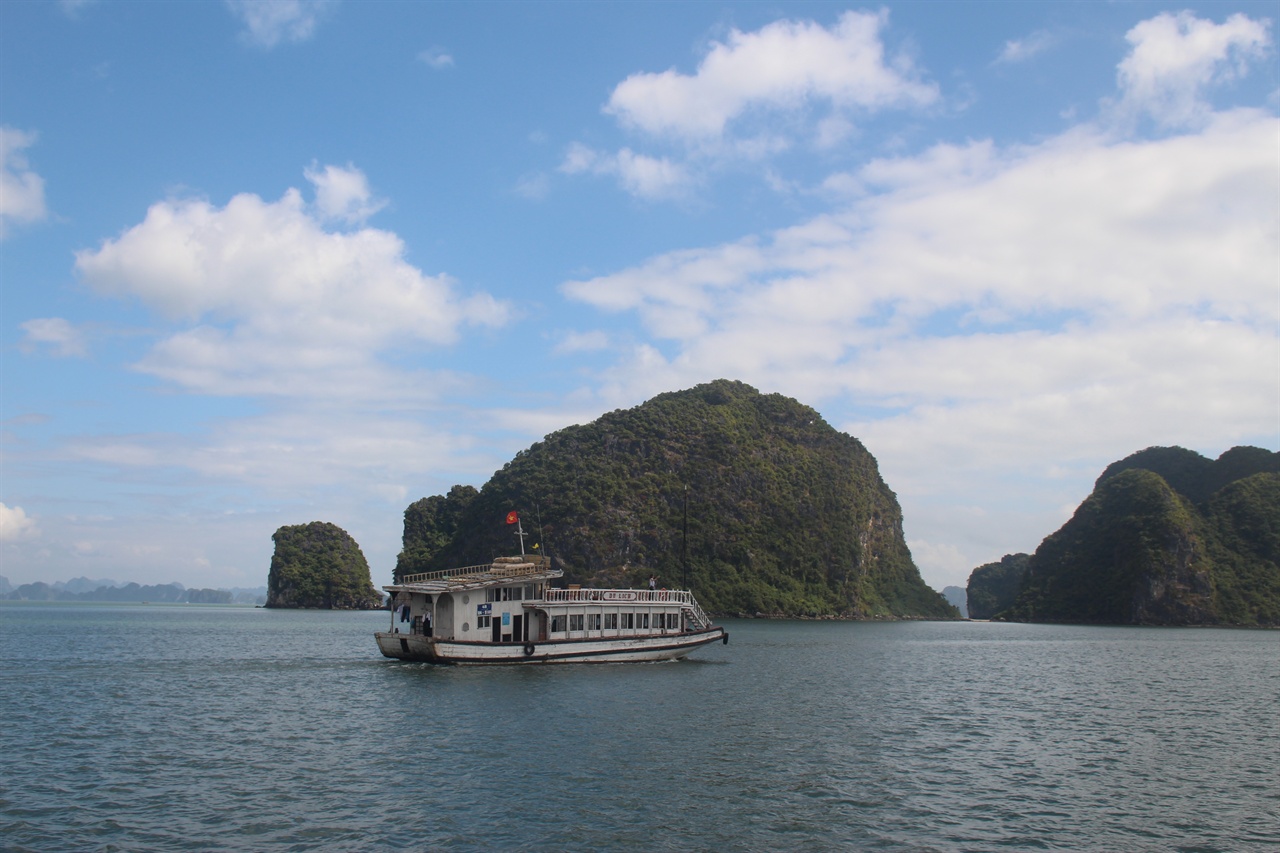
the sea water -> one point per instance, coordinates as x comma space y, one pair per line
186, 727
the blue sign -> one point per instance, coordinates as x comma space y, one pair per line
506, 620
484, 609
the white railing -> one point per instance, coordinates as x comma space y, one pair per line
533, 566
630, 596
617, 596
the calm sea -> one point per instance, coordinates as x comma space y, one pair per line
174, 727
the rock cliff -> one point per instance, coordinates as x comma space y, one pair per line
784, 514
319, 565
1167, 537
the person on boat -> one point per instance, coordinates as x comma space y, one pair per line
653, 582
426, 624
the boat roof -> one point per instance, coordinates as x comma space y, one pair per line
503, 570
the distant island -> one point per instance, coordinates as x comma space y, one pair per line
84, 589
750, 499
1167, 537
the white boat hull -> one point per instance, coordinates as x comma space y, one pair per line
656, 647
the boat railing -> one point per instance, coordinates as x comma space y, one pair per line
699, 619
533, 566
683, 598
618, 596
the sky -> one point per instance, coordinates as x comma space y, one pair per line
267, 263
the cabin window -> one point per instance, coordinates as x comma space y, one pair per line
628, 620
530, 592
483, 621
491, 595
575, 622
611, 621
557, 624
593, 621
644, 620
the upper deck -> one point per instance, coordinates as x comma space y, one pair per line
503, 570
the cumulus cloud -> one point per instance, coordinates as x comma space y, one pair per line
21, 189
1175, 58
62, 338
786, 65
343, 194
15, 524
274, 303
752, 96
1075, 224
639, 174
269, 22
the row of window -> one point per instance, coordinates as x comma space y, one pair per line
613, 621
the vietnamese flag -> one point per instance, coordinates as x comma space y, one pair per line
512, 517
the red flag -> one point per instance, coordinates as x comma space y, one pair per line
512, 517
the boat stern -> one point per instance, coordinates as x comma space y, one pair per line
406, 646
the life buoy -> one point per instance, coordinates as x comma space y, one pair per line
528, 650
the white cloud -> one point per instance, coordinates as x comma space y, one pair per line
436, 57
786, 65
1020, 50
574, 342
55, 332
343, 194
1075, 224
639, 174
21, 189
15, 524
269, 22
1176, 58
278, 304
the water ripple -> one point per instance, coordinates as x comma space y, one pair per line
179, 727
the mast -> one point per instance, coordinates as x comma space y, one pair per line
521, 534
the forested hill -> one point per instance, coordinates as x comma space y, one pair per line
785, 515
1166, 537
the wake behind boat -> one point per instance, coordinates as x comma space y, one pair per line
507, 612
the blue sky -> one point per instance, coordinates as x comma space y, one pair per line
270, 263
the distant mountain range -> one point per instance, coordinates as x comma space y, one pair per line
85, 589
1167, 537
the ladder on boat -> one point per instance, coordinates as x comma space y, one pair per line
695, 618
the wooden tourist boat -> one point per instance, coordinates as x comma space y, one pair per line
507, 612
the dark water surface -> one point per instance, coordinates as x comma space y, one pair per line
170, 727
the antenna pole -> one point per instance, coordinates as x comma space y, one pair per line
520, 533
684, 545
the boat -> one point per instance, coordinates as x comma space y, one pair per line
508, 612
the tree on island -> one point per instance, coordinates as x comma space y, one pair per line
319, 565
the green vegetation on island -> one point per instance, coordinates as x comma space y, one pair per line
994, 586
319, 565
784, 514
1167, 537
